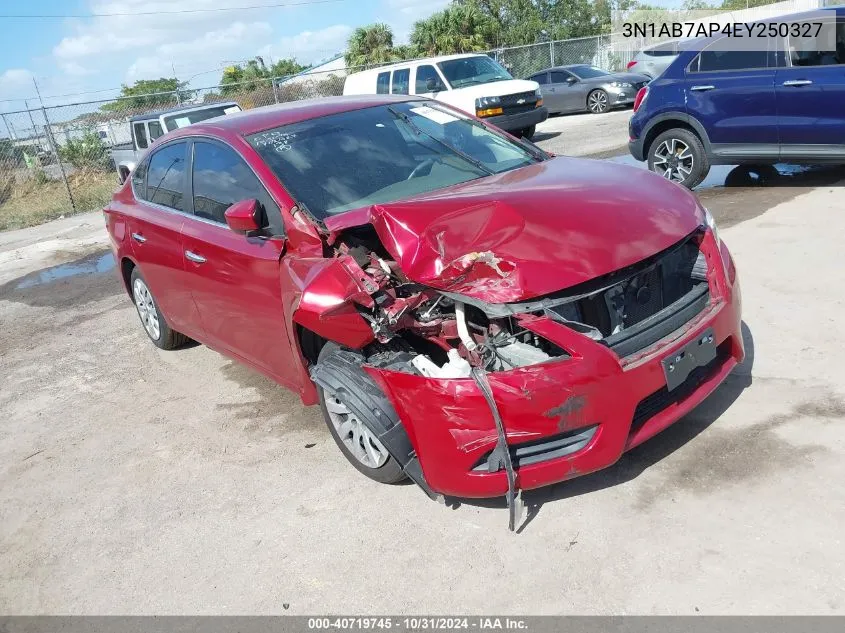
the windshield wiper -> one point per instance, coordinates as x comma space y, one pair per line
420, 132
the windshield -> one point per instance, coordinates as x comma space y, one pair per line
182, 119
589, 72
385, 153
469, 71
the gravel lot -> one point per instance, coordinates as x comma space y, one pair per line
139, 481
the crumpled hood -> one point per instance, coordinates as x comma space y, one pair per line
532, 231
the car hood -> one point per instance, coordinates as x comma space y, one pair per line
498, 88
531, 231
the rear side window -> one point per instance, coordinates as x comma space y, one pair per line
541, 78
166, 177
664, 50
710, 60
383, 83
401, 81
139, 180
222, 178
141, 136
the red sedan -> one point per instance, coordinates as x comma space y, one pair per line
468, 311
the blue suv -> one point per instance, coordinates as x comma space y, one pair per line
720, 106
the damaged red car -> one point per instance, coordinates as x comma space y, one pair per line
468, 311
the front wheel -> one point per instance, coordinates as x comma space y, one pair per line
679, 156
527, 132
597, 101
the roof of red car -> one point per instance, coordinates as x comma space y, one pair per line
258, 119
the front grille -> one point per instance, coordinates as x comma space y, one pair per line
662, 399
513, 100
639, 84
633, 308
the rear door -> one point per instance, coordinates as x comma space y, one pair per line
159, 185
234, 279
732, 93
810, 93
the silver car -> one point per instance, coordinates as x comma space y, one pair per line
580, 87
654, 60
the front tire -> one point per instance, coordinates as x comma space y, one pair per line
598, 102
347, 410
528, 132
678, 155
155, 325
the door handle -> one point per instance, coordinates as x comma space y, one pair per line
702, 88
197, 259
139, 238
797, 82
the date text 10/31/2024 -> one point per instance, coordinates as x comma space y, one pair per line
418, 623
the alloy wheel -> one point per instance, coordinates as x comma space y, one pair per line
146, 309
673, 159
597, 102
355, 435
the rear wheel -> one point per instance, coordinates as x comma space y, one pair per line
678, 155
155, 325
597, 101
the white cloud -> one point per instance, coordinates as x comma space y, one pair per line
75, 68
401, 15
309, 47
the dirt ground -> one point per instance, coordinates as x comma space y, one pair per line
139, 481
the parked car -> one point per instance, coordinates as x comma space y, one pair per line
716, 105
468, 311
147, 127
580, 88
652, 61
473, 83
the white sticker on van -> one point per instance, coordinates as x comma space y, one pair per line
182, 121
438, 116
231, 109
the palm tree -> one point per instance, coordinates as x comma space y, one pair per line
369, 45
457, 29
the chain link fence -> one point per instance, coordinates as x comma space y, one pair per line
57, 160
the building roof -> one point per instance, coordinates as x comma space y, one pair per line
182, 108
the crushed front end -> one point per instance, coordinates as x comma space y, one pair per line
575, 378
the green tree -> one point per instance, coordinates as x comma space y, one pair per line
372, 44
85, 152
460, 28
255, 74
148, 93
287, 67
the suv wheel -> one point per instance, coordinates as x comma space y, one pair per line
679, 156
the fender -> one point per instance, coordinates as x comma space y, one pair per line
676, 115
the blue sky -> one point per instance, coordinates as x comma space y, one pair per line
81, 55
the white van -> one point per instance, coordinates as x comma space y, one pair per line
471, 82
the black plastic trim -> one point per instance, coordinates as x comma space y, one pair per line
543, 450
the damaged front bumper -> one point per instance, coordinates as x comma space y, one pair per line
566, 417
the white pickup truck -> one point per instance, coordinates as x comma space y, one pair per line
147, 127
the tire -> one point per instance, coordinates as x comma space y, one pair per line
359, 404
152, 320
678, 155
528, 132
598, 102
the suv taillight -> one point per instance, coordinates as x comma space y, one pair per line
631, 64
641, 95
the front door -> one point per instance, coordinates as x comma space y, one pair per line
810, 94
234, 279
732, 94
570, 91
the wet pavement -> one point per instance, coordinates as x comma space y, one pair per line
735, 193
95, 264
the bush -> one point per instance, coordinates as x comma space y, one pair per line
87, 152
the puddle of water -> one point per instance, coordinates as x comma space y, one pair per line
756, 175
94, 265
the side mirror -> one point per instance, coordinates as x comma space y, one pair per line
432, 85
571, 80
243, 216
